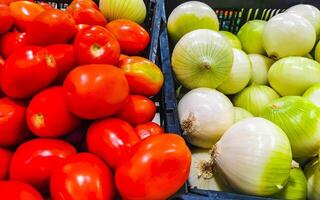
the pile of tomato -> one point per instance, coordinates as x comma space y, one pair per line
75, 109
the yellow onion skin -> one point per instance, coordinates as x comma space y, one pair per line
313, 93
232, 38
240, 114
260, 65
312, 173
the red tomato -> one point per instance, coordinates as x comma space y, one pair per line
34, 161
138, 110
14, 190
122, 57
111, 139
156, 169
76, 4
80, 27
13, 126
65, 59
7, 2
6, 19
96, 45
24, 12
5, 158
148, 129
46, 6
82, 177
90, 16
48, 114
132, 37
95, 91
12, 41
1, 62
27, 71
51, 27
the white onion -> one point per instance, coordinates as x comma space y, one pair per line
232, 38
254, 156
288, 34
313, 93
205, 114
240, 114
260, 66
250, 35
312, 173
255, 98
317, 52
292, 76
299, 118
134, 10
191, 16
202, 58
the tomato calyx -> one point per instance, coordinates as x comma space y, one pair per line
96, 50
38, 120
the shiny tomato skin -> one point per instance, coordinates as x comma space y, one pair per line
6, 19
12, 41
156, 169
27, 71
138, 110
7, 2
148, 129
48, 114
132, 37
5, 158
51, 27
76, 4
24, 12
122, 57
2, 61
34, 161
95, 91
96, 45
83, 176
46, 6
111, 139
13, 126
90, 16
80, 27
15, 190
65, 59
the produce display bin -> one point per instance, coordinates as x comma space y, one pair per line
232, 14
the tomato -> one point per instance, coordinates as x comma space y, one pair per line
111, 139
1, 62
132, 37
96, 45
156, 169
24, 12
51, 27
46, 6
27, 71
90, 16
15, 190
148, 129
34, 161
144, 77
76, 4
7, 2
95, 91
122, 57
80, 27
65, 59
5, 158
82, 177
13, 126
138, 110
48, 114
12, 41
6, 19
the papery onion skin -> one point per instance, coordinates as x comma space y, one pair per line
134, 10
260, 66
254, 156
312, 173
299, 118
240, 74
202, 58
232, 38
250, 35
191, 16
292, 76
313, 93
288, 34
205, 114
240, 114
255, 98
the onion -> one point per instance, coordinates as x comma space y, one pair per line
292, 76
313, 93
233, 39
191, 16
205, 114
250, 35
240, 114
260, 66
309, 12
134, 10
317, 52
299, 118
288, 34
254, 157
240, 73
202, 173
312, 173
202, 58
255, 98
